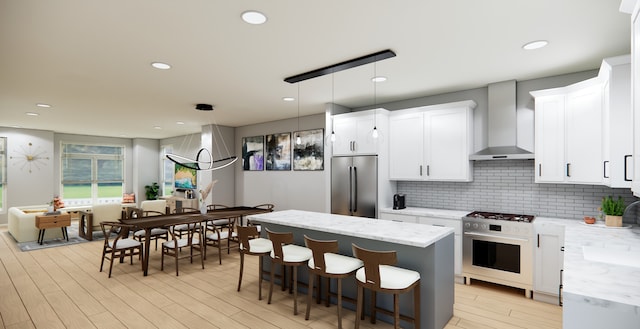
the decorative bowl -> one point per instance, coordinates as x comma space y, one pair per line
589, 220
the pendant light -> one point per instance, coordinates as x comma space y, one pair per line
330, 139
375, 134
298, 139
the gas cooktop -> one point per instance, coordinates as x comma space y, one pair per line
501, 216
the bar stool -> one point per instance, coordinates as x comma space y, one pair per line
250, 244
378, 275
327, 263
289, 255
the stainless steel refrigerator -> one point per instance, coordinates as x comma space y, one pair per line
354, 185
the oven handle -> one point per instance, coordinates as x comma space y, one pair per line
496, 236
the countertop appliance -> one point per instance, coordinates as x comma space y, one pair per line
498, 248
399, 201
354, 185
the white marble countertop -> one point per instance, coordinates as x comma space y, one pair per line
412, 234
427, 212
595, 279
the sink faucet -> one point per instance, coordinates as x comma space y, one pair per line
629, 208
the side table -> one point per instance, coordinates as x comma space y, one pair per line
44, 222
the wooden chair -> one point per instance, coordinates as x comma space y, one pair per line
378, 275
120, 246
214, 236
252, 244
266, 206
184, 228
156, 233
173, 247
289, 255
223, 223
327, 263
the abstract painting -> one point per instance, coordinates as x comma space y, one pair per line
278, 151
309, 154
253, 153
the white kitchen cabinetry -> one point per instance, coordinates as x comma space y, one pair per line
456, 225
398, 217
432, 142
618, 123
353, 132
569, 134
549, 260
633, 7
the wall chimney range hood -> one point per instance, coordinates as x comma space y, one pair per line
502, 125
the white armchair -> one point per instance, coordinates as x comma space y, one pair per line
157, 206
90, 221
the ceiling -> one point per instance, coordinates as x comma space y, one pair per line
90, 59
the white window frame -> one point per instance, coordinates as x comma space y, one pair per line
94, 172
164, 149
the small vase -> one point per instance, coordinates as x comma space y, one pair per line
203, 209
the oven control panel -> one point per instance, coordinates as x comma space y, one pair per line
491, 226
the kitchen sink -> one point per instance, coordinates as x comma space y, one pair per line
615, 254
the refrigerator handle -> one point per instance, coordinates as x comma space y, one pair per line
355, 189
350, 189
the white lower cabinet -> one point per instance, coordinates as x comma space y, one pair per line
549, 259
456, 224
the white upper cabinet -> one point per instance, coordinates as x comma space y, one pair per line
618, 121
633, 7
432, 142
353, 132
569, 134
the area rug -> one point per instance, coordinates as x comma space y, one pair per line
57, 242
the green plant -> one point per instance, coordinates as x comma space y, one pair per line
613, 207
152, 191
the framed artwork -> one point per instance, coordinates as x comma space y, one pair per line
309, 154
278, 152
253, 153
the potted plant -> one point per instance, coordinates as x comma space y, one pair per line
613, 209
152, 191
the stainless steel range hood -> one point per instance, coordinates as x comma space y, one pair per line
502, 125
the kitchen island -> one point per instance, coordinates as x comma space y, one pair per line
423, 248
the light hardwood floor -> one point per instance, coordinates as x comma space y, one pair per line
63, 288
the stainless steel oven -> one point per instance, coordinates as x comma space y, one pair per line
498, 248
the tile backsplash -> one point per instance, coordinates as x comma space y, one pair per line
508, 186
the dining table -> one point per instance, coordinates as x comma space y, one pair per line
150, 222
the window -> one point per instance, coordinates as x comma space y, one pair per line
167, 170
3, 172
92, 174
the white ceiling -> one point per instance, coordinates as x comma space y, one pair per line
90, 59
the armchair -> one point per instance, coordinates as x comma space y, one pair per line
90, 221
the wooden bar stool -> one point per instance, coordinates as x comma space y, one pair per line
251, 244
289, 255
378, 275
327, 263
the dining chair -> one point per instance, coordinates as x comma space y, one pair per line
214, 236
289, 255
252, 244
265, 206
378, 275
117, 243
327, 263
156, 233
184, 228
223, 223
173, 247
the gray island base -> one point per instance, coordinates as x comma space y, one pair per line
423, 248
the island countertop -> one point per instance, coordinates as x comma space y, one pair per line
411, 234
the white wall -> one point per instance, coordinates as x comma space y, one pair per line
220, 141
145, 166
28, 182
303, 190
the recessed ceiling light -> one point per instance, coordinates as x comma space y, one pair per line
161, 66
43, 105
33, 114
288, 99
254, 17
379, 79
179, 122
157, 127
535, 44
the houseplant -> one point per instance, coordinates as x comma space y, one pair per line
152, 191
613, 209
